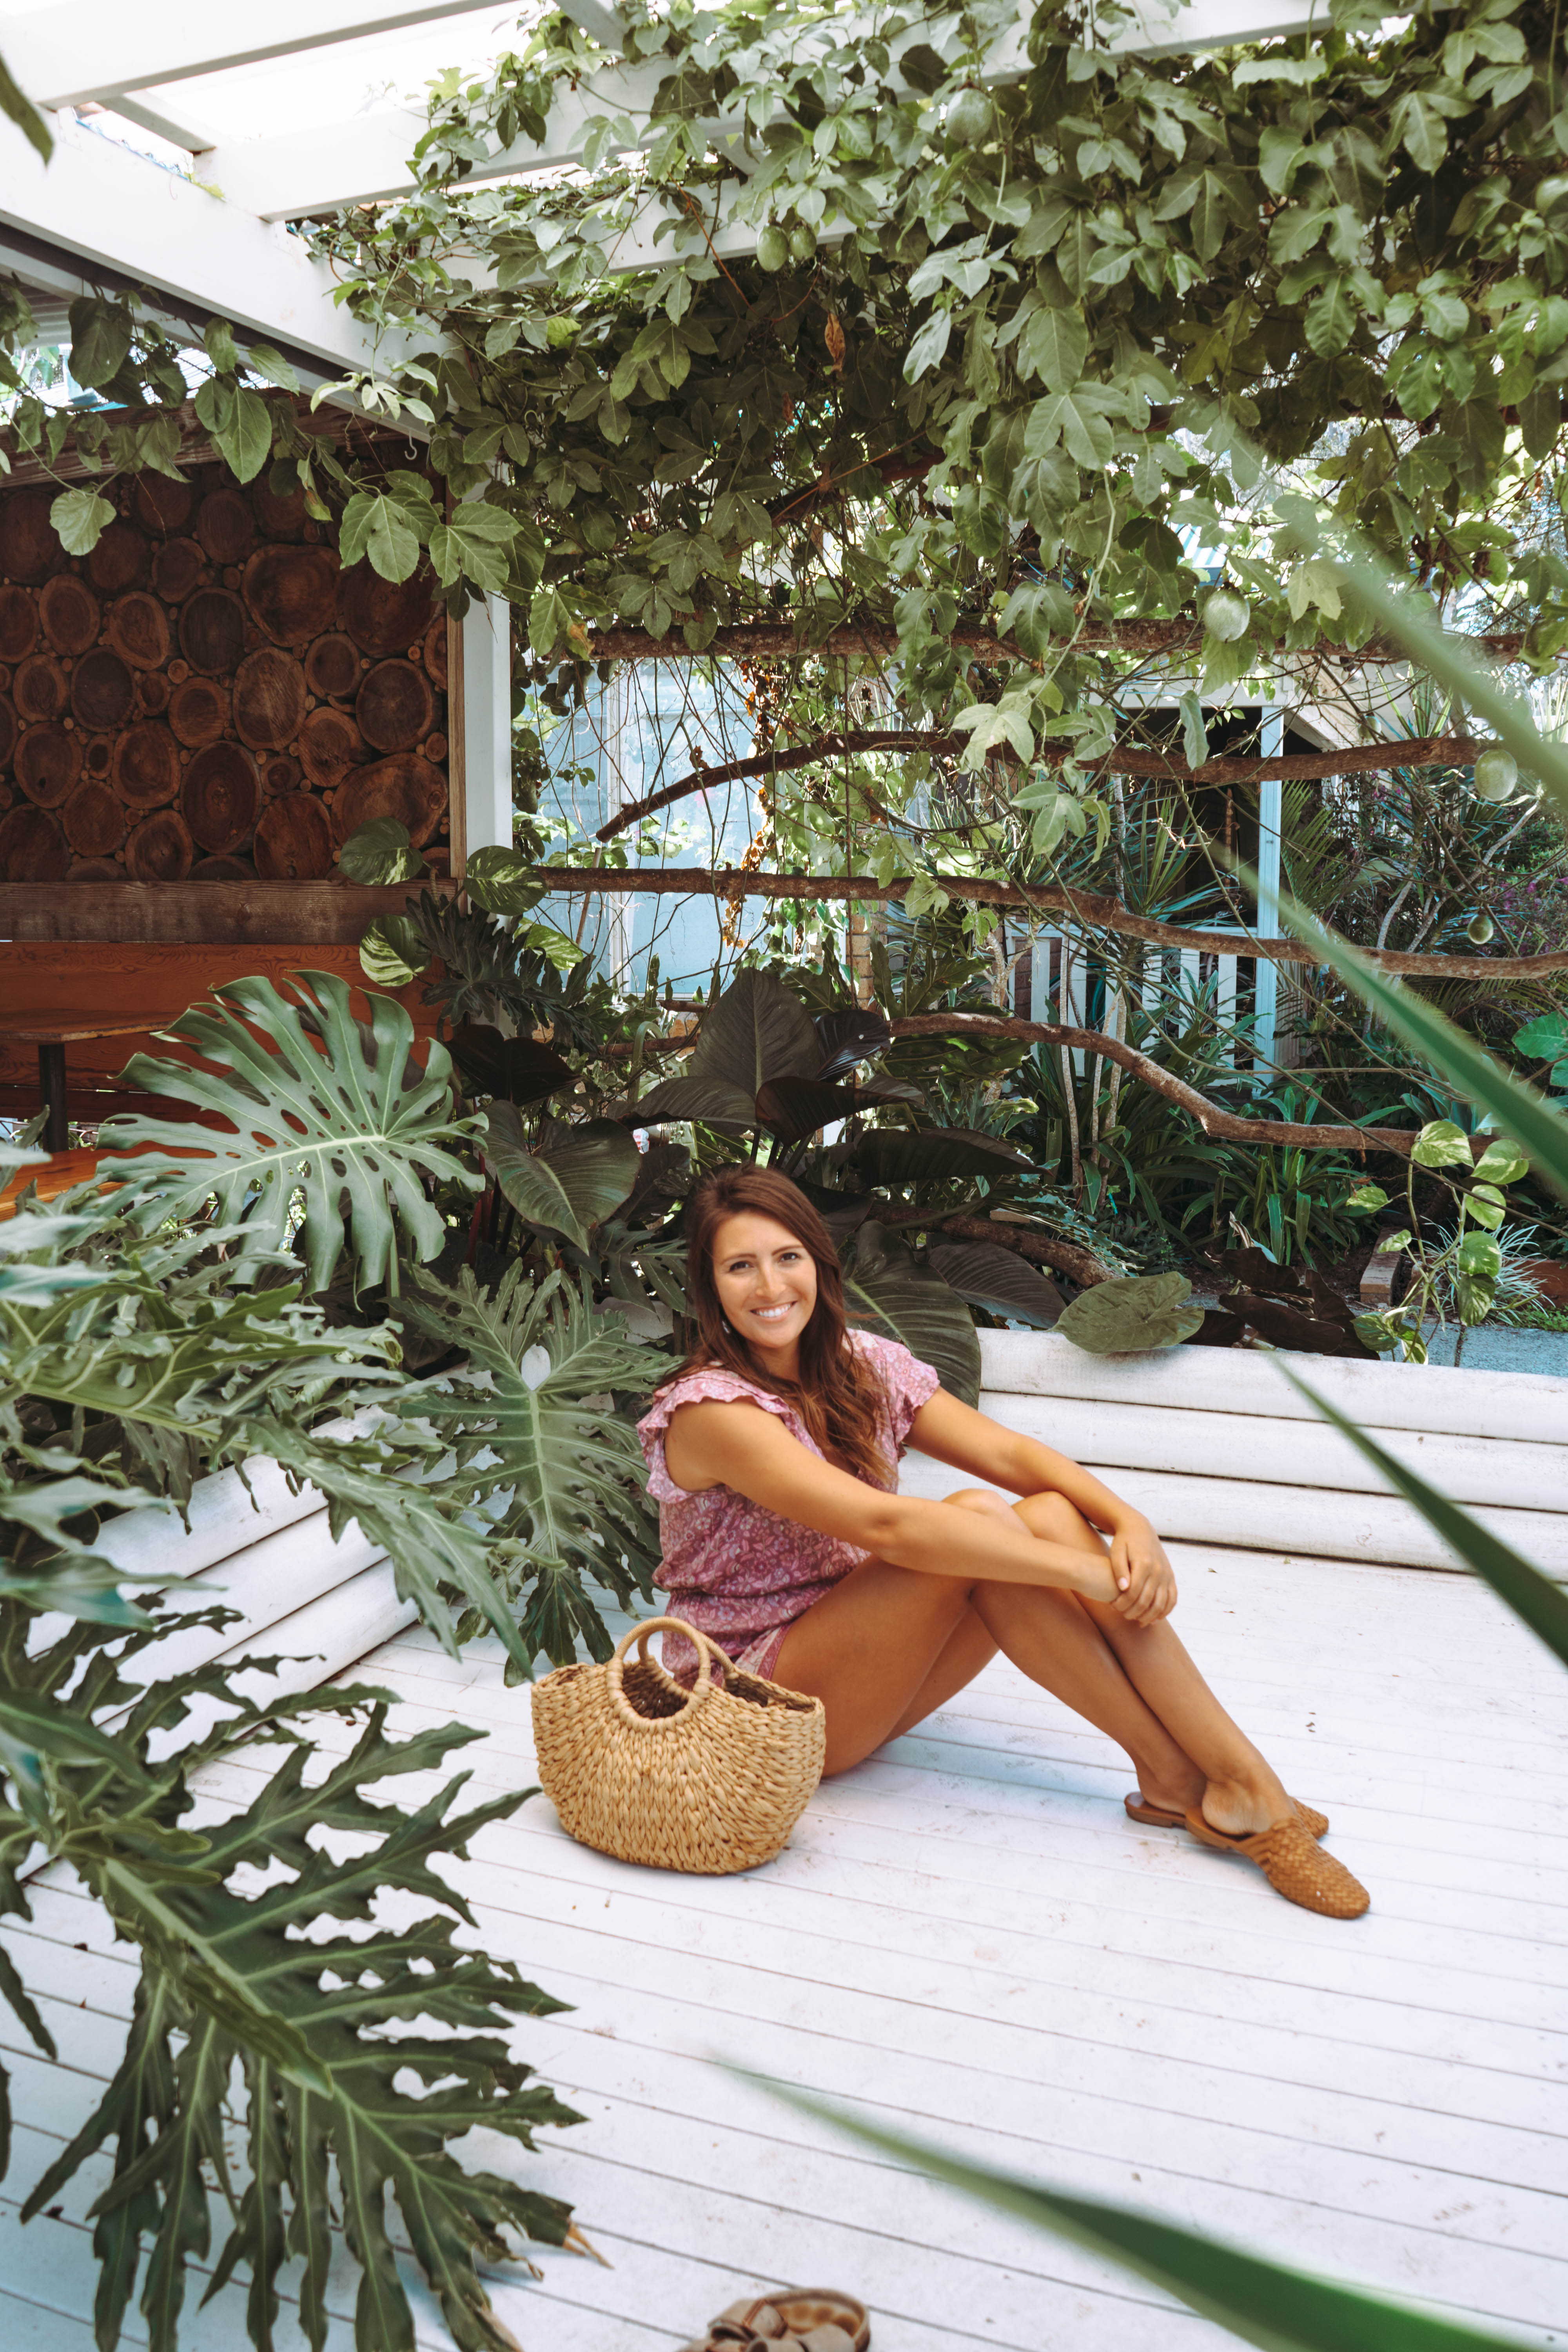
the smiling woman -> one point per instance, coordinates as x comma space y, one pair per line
772, 1456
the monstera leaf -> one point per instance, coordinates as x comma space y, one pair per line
357, 1131
884, 1286
1131, 1315
933, 1155
513, 1069
571, 1184
998, 1280
528, 1422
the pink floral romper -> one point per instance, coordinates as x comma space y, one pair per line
740, 1573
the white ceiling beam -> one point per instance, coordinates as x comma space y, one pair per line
365, 159
82, 49
123, 220
165, 117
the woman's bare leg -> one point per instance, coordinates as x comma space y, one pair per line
889, 1645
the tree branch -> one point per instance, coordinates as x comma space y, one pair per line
1209, 1115
1360, 759
1071, 1258
1083, 907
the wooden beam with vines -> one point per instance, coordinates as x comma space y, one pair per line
759, 641
1083, 907
1355, 760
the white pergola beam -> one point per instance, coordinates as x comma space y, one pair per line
82, 49
121, 220
365, 159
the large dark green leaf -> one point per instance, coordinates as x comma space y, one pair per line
757, 1031
1134, 1313
514, 1069
713, 1100
356, 1131
1263, 2302
792, 1108
849, 1036
998, 1280
569, 1185
885, 1288
933, 1155
1531, 1595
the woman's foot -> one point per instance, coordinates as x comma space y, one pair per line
1243, 1808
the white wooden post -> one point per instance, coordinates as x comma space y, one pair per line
487, 727
1271, 810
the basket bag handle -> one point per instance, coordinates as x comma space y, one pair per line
707, 1657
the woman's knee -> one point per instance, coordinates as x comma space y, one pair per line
1055, 1520
980, 1498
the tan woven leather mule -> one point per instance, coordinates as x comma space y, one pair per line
1295, 1865
1160, 1817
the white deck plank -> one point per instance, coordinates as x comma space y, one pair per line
967, 1935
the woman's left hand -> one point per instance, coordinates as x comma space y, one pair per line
1146, 1581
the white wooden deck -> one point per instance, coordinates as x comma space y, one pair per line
967, 1934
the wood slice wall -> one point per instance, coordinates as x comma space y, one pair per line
209, 695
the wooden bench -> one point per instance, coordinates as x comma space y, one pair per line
1216, 1447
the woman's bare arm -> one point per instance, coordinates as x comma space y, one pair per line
711, 1444
971, 1441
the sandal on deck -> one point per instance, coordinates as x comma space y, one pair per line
1159, 1816
800, 2319
1295, 1865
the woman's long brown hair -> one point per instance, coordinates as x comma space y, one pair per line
839, 1395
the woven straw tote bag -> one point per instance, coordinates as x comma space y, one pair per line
708, 1779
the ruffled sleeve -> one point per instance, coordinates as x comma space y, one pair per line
907, 1383
727, 1388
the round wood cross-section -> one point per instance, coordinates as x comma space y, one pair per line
225, 526
93, 821
329, 745
70, 612
48, 761
292, 592
436, 651
280, 774
119, 561
8, 730
161, 849
177, 570
138, 630
96, 869
220, 797
211, 632
281, 518
38, 688
32, 847
294, 840
29, 546
145, 767
395, 709
223, 869
268, 698
152, 691
384, 616
98, 756
161, 506
101, 691
333, 668
18, 624
198, 711
405, 787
